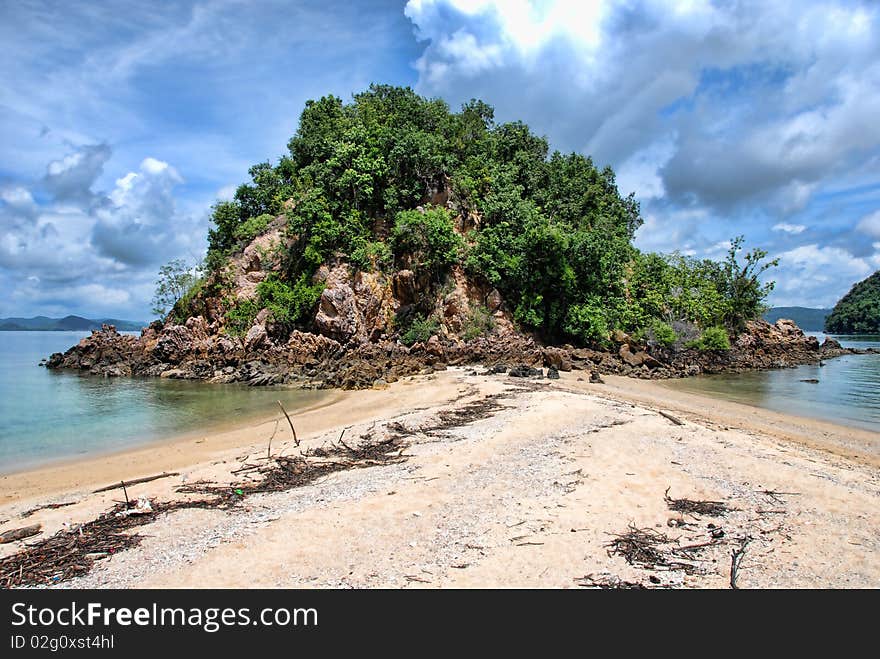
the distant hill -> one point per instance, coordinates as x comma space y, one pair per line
809, 320
858, 312
66, 324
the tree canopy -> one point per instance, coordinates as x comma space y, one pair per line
392, 179
858, 312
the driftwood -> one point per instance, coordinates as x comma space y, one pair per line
269, 447
20, 534
674, 419
136, 481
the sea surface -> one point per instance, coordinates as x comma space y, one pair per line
47, 416
847, 391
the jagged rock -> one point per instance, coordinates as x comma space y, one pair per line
174, 374
256, 337
552, 373
525, 372
647, 359
830, 344
557, 358
633, 359
174, 343
619, 336
434, 347
405, 287
337, 313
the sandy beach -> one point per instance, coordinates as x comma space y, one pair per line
539, 489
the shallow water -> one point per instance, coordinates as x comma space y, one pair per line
50, 415
847, 391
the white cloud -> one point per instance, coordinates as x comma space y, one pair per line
760, 101
90, 250
815, 276
793, 229
870, 225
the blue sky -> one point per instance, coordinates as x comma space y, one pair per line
121, 123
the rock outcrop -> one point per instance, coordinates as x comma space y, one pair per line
190, 351
354, 344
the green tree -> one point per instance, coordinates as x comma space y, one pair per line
176, 279
742, 286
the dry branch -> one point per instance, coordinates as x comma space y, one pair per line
136, 481
736, 557
289, 422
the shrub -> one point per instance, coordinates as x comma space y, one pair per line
427, 238
252, 227
240, 316
587, 322
369, 256
288, 304
421, 329
478, 322
713, 338
662, 334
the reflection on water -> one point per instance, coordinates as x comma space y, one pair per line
46, 415
846, 391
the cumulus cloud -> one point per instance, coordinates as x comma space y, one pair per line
758, 96
140, 218
93, 250
724, 118
811, 275
70, 179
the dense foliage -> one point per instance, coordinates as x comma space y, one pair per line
394, 180
858, 312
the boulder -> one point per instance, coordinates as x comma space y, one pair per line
633, 359
337, 313
557, 358
256, 337
831, 344
174, 344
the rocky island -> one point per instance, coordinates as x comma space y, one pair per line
398, 237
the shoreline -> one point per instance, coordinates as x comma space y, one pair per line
587, 459
224, 426
843, 440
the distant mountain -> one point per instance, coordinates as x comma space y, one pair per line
809, 320
66, 324
858, 312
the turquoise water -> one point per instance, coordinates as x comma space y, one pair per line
50, 415
847, 391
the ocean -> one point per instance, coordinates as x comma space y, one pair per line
46, 416
847, 391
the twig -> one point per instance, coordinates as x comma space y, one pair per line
736, 557
292, 429
269, 448
125, 492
